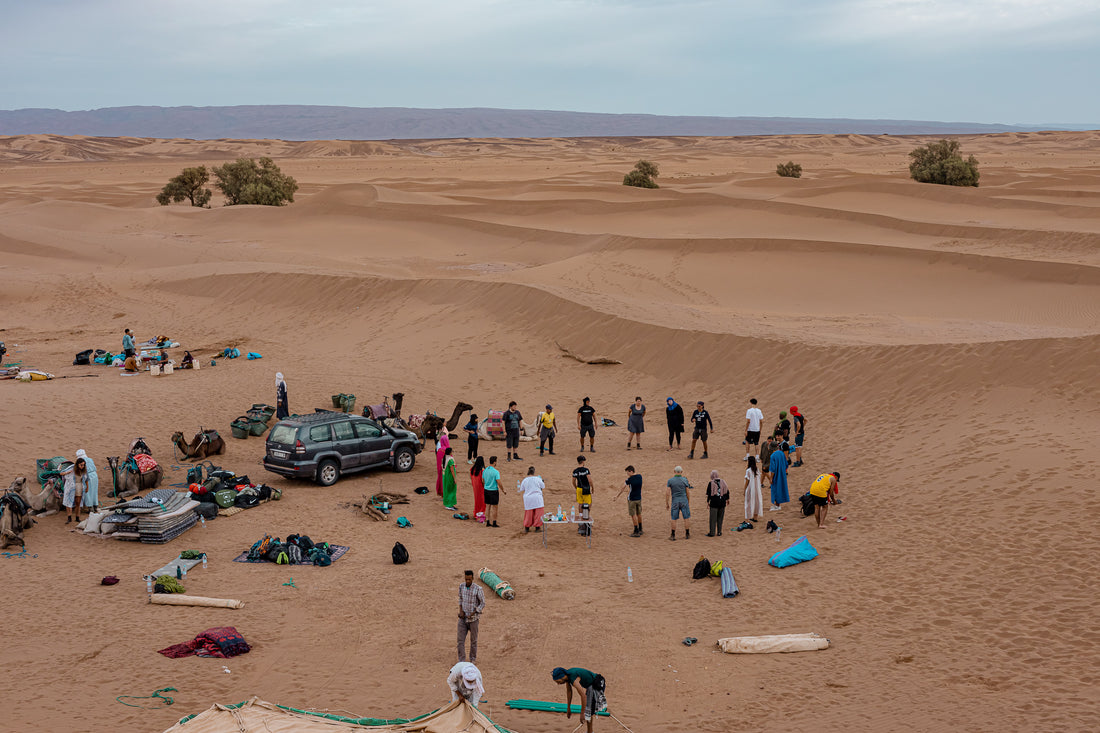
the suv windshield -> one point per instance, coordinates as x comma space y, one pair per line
283, 434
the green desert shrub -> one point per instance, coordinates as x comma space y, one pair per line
642, 176
790, 169
940, 162
187, 185
254, 182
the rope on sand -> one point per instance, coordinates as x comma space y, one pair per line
156, 695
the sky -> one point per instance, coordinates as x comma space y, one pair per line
995, 61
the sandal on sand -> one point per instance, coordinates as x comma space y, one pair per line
689, 640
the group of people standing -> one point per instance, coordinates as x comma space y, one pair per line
79, 486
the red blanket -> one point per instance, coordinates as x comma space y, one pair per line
145, 463
221, 642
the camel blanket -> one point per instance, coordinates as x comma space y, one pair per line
773, 644
221, 642
145, 462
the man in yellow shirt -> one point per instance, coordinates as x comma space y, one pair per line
547, 430
822, 491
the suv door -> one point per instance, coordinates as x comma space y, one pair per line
374, 443
346, 444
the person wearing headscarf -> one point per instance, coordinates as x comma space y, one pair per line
465, 682
675, 417
68, 491
91, 480
754, 502
718, 495
188, 361
282, 409
777, 469
442, 443
450, 481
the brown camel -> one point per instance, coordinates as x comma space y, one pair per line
14, 517
205, 443
427, 427
45, 502
128, 480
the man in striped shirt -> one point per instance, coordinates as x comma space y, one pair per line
471, 602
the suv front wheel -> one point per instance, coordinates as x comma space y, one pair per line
328, 472
403, 460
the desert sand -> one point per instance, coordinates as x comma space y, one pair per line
943, 344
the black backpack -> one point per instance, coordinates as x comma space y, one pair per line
702, 569
400, 554
84, 357
807, 504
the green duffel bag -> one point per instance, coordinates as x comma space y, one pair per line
240, 428
336, 398
257, 426
225, 498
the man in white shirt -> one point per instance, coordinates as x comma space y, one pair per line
465, 681
753, 418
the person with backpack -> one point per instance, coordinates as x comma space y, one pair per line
718, 496
590, 687
822, 492
471, 602
674, 416
477, 478
799, 435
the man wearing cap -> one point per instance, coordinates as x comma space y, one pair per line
590, 687
822, 492
799, 434
677, 500
700, 420
471, 602
548, 428
586, 424
465, 681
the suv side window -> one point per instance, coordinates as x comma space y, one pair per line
320, 433
367, 430
343, 430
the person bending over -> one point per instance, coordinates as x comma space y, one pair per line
590, 687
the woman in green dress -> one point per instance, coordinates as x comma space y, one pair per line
450, 481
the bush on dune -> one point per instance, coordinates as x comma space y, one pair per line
790, 169
187, 185
940, 162
642, 176
250, 182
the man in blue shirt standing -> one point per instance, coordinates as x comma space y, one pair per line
128, 344
491, 477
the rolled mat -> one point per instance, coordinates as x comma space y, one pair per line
165, 599
501, 587
773, 644
729, 585
548, 707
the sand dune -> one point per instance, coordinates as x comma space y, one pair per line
942, 342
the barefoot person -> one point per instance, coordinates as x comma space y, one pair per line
586, 424
678, 500
635, 423
590, 687
822, 492
633, 484
754, 501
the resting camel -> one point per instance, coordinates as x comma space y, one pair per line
427, 427
128, 480
205, 443
14, 517
45, 502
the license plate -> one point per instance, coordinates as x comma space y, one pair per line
279, 454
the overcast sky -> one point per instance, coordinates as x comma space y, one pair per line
1010, 61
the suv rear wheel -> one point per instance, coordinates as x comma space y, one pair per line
403, 460
328, 472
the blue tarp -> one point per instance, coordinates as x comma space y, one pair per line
800, 551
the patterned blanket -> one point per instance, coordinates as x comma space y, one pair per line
145, 462
221, 642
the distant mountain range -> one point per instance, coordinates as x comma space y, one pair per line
305, 122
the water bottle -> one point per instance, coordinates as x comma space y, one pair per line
203, 520
184, 570
777, 531
560, 515
629, 575
149, 584
573, 514
204, 561
179, 572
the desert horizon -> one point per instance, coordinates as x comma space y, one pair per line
943, 343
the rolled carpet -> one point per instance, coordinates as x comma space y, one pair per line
501, 587
165, 599
773, 644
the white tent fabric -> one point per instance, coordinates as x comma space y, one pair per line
258, 716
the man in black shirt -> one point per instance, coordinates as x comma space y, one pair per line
513, 419
582, 482
586, 423
633, 484
700, 420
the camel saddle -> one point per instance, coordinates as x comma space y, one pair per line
143, 462
15, 503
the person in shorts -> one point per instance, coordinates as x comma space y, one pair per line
582, 482
677, 500
513, 420
822, 491
633, 484
590, 687
700, 421
586, 424
491, 477
753, 418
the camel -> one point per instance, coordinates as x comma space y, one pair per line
46, 502
128, 480
14, 517
383, 411
205, 443
527, 431
427, 427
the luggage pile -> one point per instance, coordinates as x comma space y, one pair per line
297, 550
160, 517
253, 422
222, 489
